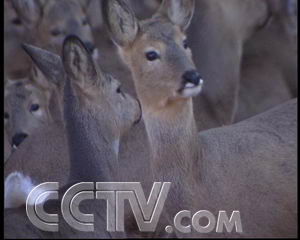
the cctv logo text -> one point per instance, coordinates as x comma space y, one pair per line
146, 212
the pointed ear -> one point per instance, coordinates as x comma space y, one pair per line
180, 12
120, 21
29, 11
49, 63
78, 62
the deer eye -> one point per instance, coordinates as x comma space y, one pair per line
34, 107
6, 115
152, 55
118, 90
185, 44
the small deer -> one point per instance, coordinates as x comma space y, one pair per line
248, 166
48, 23
97, 114
38, 124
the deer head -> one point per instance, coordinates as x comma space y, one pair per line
26, 107
49, 22
156, 51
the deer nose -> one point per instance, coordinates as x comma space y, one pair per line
191, 76
90, 46
18, 139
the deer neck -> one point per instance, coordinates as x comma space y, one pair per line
174, 146
92, 147
221, 65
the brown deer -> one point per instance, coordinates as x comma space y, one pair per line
39, 116
47, 27
249, 166
228, 34
269, 65
243, 50
97, 114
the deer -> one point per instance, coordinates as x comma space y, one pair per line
219, 36
97, 114
28, 106
233, 167
38, 134
227, 30
37, 128
48, 23
41, 115
269, 64
48, 28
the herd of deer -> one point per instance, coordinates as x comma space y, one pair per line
67, 119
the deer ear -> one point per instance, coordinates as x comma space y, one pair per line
78, 62
120, 21
48, 63
29, 11
180, 12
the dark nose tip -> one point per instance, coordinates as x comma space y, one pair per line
191, 76
90, 46
18, 138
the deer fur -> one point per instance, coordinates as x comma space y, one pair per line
44, 154
247, 65
7, 147
269, 65
91, 102
227, 168
42, 23
20, 98
17, 188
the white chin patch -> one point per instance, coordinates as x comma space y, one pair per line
192, 90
